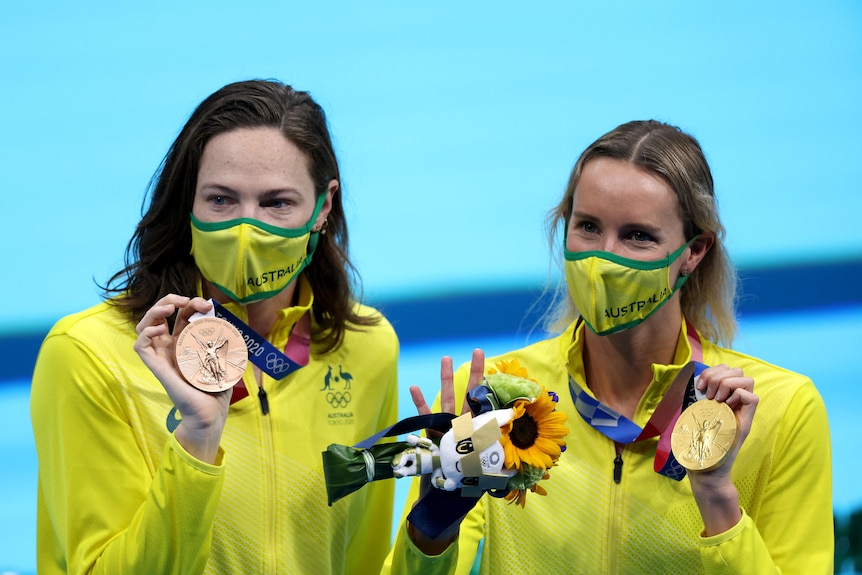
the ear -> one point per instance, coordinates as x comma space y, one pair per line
327, 204
697, 251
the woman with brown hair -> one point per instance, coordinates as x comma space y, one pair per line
245, 223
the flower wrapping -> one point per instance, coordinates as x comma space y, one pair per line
505, 446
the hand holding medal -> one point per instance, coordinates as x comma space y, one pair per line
711, 430
211, 353
202, 415
729, 401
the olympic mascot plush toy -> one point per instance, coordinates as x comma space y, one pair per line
445, 460
505, 445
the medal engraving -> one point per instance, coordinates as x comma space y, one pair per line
703, 435
211, 354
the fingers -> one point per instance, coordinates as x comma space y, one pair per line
167, 306
419, 400
477, 375
151, 332
193, 306
744, 404
730, 385
155, 344
719, 382
741, 398
163, 309
447, 386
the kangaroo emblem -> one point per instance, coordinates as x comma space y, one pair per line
327, 380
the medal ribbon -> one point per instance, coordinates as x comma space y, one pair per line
266, 356
621, 429
263, 354
270, 360
437, 421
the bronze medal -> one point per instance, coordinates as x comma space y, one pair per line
703, 435
211, 354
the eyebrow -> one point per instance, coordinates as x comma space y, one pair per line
277, 192
584, 215
267, 195
649, 228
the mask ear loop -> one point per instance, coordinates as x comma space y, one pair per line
684, 272
314, 235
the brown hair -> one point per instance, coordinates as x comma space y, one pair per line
157, 259
709, 295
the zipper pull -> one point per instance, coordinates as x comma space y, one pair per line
618, 468
264, 402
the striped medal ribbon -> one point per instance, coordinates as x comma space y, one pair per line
621, 429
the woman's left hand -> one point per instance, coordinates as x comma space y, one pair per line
713, 490
447, 405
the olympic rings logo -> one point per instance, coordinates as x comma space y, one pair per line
276, 365
338, 399
207, 331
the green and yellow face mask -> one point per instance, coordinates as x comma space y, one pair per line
250, 260
613, 293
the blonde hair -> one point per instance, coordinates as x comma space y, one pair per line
708, 298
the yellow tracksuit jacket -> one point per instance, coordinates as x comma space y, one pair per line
649, 524
117, 493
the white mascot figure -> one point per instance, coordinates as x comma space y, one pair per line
457, 452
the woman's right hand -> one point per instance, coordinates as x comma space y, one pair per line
203, 414
447, 405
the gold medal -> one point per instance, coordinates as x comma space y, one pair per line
703, 435
211, 354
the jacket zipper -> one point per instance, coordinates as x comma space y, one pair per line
264, 401
267, 436
615, 495
618, 467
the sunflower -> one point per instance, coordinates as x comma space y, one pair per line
509, 382
536, 434
523, 482
510, 367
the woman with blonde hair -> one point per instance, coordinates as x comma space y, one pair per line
649, 307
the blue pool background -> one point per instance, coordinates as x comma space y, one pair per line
456, 126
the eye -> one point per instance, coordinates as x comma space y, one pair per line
589, 227
641, 237
277, 203
218, 200
586, 227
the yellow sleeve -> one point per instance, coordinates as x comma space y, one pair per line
406, 559
794, 532
102, 508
